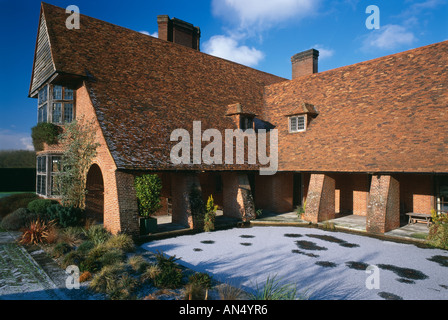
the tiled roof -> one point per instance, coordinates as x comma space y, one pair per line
143, 88
385, 115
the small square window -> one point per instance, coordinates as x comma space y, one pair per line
297, 123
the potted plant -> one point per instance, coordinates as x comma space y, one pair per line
148, 188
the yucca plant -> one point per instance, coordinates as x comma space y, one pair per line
37, 232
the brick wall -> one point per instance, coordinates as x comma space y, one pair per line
181, 184
320, 202
274, 193
383, 210
114, 220
351, 194
416, 193
237, 196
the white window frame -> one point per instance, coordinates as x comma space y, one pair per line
296, 117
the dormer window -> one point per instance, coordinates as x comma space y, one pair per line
55, 104
301, 117
297, 123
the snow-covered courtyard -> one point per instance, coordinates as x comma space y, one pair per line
323, 264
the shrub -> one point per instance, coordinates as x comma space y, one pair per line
70, 216
85, 247
74, 236
112, 256
229, 292
170, 276
60, 249
44, 132
18, 219
151, 272
39, 206
66, 216
114, 281
35, 233
138, 263
438, 231
202, 279
121, 241
300, 210
198, 285
89, 264
13, 202
97, 234
148, 188
72, 258
210, 215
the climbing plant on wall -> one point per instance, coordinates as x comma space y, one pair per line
79, 142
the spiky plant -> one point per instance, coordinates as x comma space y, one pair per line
37, 232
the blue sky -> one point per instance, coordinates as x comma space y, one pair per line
263, 34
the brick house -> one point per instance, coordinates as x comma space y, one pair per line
367, 139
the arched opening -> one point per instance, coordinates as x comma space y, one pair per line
95, 194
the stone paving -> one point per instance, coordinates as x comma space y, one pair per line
22, 278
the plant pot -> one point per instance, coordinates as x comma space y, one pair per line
148, 225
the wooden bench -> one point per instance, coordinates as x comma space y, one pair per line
419, 217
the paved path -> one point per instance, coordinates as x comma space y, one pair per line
22, 278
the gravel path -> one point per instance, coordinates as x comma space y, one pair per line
323, 264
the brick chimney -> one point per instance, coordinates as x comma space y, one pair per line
304, 63
178, 31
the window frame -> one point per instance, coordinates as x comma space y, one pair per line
304, 117
42, 105
45, 175
46, 108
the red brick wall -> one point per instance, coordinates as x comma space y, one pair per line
181, 184
351, 194
115, 217
320, 202
416, 193
274, 193
383, 210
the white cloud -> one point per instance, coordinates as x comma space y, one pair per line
227, 48
388, 37
154, 34
248, 20
10, 140
262, 12
324, 53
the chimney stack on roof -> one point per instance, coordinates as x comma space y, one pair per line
304, 63
178, 31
